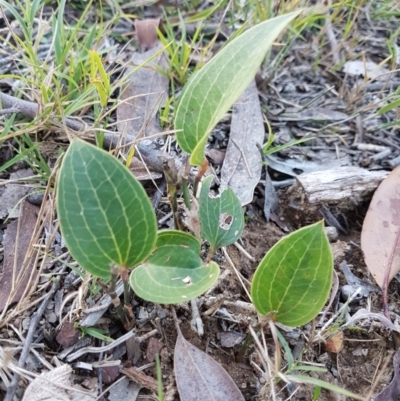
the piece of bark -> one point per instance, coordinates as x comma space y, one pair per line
340, 189
141, 378
18, 269
242, 164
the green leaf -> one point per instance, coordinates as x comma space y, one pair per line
174, 271
212, 91
221, 216
105, 214
295, 276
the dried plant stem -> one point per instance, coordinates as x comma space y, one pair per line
114, 296
202, 170
149, 150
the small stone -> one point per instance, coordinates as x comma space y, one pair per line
332, 234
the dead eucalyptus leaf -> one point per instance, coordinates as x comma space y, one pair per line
198, 376
392, 391
144, 94
56, 385
146, 31
17, 271
242, 166
380, 236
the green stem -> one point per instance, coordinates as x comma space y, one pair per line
186, 195
202, 170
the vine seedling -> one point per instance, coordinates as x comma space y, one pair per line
108, 222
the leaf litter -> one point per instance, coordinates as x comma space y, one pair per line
298, 83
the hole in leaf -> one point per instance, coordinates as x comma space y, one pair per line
225, 221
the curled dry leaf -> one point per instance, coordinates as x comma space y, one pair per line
380, 236
335, 343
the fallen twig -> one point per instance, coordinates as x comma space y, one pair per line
152, 155
28, 340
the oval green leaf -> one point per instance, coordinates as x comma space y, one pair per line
174, 271
212, 91
105, 214
221, 216
294, 278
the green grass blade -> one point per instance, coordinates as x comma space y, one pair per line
212, 91
105, 214
323, 384
295, 276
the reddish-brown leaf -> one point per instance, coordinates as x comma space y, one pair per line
68, 335
153, 347
380, 236
146, 32
335, 343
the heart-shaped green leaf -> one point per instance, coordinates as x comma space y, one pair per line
105, 214
295, 276
174, 272
212, 91
221, 216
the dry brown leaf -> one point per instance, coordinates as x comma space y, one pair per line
380, 236
335, 343
242, 165
57, 386
145, 93
18, 270
198, 374
392, 391
68, 335
146, 32
153, 347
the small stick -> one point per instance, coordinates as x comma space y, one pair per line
114, 296
28, 340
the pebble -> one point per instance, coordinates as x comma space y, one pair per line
332, 234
